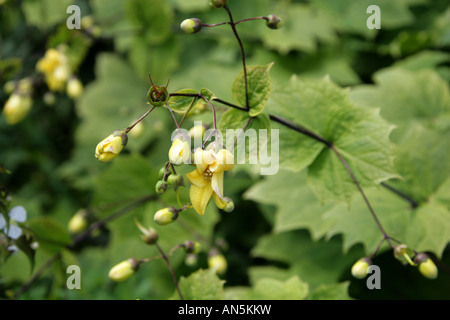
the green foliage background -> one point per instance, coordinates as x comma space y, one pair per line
381, 96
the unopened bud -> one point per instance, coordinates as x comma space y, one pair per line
360, 268
161, 173
230, 205
74, 88
161, 186
111, 146
191, 259
166, 216
218, 3
426, 266
174, 181
192, 247
49, 98
16, 108
274, 22
122, 271
197, 132
9, 87
192, 25
217, 262
78, 222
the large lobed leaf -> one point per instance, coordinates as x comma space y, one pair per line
359, 134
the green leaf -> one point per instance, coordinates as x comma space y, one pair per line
303, 27
201, 285
208, 94
359, 134
298, 208
181, 104
128, 178
258, 88
316, 262
46, 13
337, 291
237, 119
153, 16
272, 289
49, 233
423, 160
405, 97
423, 60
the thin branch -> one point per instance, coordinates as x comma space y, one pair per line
175, 281
414, 204
139, 120
36, 275
233, 27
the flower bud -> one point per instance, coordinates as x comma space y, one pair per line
192, 25
426, 266
161, 186
25, 86
191, 259
217, 262
78, 222
174, 181
161, 173
192, 247
274, 22
360, 268
122, 271
404, 254
9, 87
180, 152
230, 205
16, 108
166, 216
150, 236
218, 3
74, 88
111, 146
197, 132
49, 98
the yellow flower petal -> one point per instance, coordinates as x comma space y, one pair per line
196, 178
203, 159
225, 159
200, 197
217, 186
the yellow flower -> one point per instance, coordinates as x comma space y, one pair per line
122, 271
110, 147
16, 108
55, 67
179, 152
207, 179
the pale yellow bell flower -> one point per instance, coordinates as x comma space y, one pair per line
207, 179
179, 152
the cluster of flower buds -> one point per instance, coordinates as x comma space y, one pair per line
426, 266
406, 256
